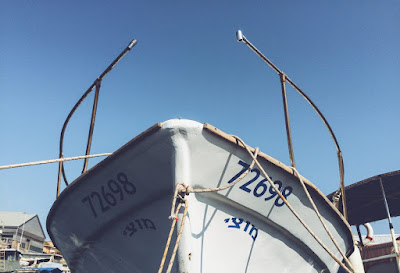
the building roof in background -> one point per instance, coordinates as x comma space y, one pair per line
14, 219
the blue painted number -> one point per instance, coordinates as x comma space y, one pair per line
262, 187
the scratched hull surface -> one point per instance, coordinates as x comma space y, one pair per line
114, 218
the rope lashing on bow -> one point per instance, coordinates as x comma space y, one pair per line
178, 238
321, 219
299, 218
181, 190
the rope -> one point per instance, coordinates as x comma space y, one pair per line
297, 215
290, 146
188, 189
169, 239
181, 190
51, 161
321, 219
171, 261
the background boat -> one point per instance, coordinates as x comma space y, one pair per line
370, 200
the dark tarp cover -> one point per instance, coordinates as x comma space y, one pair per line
365, 201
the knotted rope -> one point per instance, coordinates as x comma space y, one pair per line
181, 190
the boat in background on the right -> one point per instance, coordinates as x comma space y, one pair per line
370, 200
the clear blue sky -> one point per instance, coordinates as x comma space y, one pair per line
343, 54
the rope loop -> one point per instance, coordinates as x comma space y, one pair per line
181, 191
177, 195
180, 188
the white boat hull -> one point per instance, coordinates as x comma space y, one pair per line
114, 218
